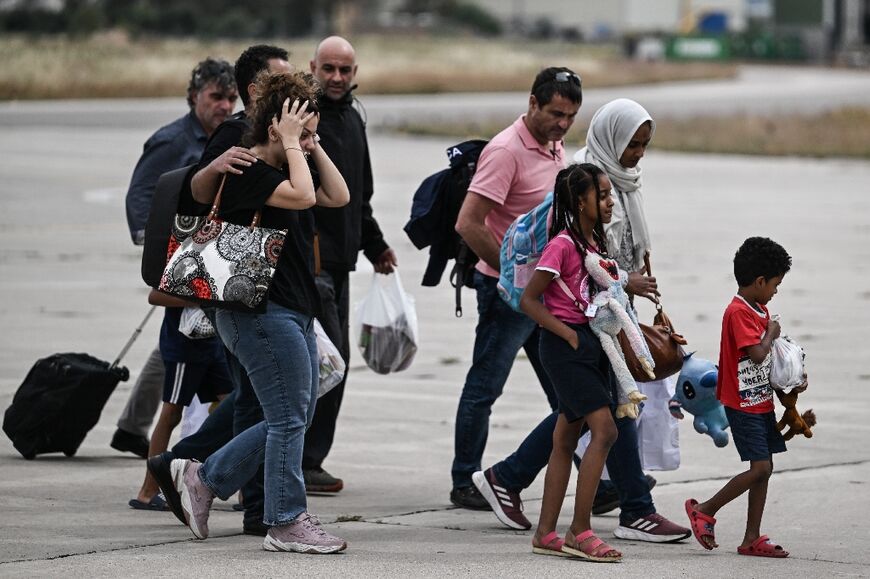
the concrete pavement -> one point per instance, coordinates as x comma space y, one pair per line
69, 282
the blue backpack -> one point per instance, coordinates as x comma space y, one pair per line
514, 276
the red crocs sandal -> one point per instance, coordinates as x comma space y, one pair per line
702, 525
763, 547
588, 546
551, 544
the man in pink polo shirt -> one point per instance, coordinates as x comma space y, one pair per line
515, 172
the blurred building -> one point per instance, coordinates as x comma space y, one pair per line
609, 19
785, 29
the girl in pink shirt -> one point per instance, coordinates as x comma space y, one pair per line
574, 359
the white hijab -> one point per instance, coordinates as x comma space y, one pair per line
610, 131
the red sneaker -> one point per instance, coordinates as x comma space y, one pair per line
652, 528
506, 504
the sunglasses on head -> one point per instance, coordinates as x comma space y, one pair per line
564, 76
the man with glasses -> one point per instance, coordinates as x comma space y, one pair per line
514, 173
500, 333
507, 164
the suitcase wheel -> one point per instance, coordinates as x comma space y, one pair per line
70, 452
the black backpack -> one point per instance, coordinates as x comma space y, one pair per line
436, 206
171, 196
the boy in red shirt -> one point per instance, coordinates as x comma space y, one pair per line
744, 389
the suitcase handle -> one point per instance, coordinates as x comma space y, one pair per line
132, 339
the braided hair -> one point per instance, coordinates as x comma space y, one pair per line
572, 183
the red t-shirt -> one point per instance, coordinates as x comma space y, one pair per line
743, 384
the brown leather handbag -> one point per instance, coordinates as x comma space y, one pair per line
663, 342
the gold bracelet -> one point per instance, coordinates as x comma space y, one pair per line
297, 148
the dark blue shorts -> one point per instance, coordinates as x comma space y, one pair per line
582, 378
207, 380
755, 435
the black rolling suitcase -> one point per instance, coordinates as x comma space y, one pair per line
61, 399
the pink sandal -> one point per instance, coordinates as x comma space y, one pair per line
702, 525
551, 544
591, 548
763, 547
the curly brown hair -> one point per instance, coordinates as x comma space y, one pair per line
272, 90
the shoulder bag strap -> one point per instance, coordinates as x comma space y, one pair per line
568, 292
217, 200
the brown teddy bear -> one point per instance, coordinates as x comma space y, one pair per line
795, 422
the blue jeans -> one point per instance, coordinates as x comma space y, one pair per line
519, 470
278, 351
500, 334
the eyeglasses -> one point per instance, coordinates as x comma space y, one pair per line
564, 76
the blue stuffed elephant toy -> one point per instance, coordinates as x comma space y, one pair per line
696, 393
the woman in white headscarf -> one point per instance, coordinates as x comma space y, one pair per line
616, 141
617, 138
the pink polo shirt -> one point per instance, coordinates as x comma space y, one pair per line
517, 172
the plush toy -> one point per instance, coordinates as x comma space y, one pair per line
608, 314
791, 419
696, 393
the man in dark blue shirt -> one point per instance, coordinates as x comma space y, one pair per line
211, 96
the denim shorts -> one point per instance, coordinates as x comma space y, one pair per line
583, 379
755, 435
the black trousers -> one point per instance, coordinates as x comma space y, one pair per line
335, 318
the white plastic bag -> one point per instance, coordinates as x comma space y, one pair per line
332, 365
386, 325
658, 432
194, 415
787, 364
195, 325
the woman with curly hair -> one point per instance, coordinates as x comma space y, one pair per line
275, 341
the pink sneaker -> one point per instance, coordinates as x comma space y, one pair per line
303, 535
196, 498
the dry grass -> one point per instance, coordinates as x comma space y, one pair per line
112, 65
839, 133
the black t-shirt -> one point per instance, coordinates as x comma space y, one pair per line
228, 134
293, 284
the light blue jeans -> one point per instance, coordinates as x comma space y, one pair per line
279, 352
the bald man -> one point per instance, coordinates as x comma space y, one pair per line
343, 232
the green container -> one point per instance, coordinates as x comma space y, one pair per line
698, 48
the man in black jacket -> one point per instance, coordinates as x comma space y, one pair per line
342, 232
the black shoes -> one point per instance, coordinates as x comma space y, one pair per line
257, 528
318, 480
608, 499
469, 498
129, 442
159, 468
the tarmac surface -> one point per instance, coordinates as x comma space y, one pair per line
69, 281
